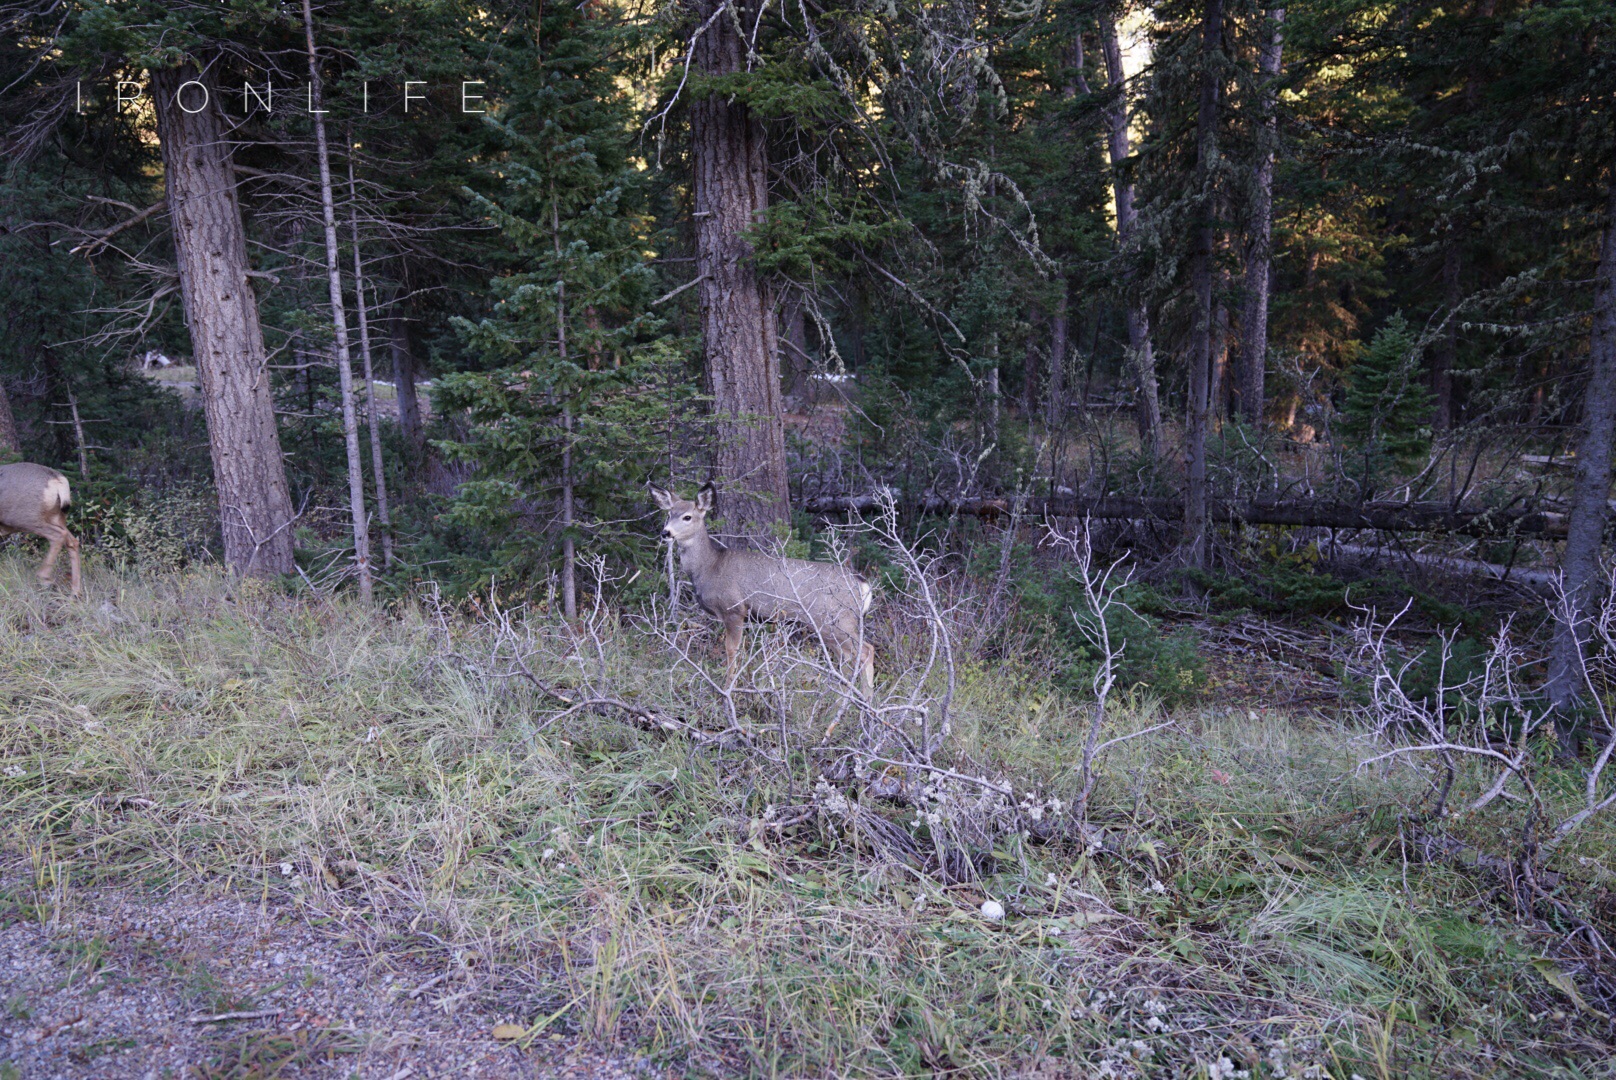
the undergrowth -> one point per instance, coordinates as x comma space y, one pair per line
1244, 904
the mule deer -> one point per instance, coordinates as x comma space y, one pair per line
34, 499
828, 599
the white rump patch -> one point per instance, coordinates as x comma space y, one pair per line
56, 489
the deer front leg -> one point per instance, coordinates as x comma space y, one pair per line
733, 622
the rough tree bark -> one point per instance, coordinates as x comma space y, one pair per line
227, 342
9, 442
1059, 343
795, 366
1060, 326
1030, 366
1590, 491
79, 442
1253, 363
1218, 389
379, 473
409, 405
1200, 274
738, 322
1141, 354
339, 322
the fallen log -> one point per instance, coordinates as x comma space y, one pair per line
1542, 582
1309, 513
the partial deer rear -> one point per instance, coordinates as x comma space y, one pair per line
34, 499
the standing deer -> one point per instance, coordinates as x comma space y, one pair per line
730, 584
34, 499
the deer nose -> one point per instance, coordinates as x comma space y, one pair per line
667, 533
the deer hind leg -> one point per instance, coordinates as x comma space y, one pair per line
73, 562
59, 537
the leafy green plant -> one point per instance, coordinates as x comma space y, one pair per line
1276, 581
1168, 665
164, 530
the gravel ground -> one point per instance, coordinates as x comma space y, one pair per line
112, 988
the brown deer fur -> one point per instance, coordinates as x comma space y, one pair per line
730, 585
34, 499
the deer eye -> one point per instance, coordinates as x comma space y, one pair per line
687, 517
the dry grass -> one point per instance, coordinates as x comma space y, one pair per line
1250, 907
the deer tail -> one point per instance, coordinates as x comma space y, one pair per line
58, 492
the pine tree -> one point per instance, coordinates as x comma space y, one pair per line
1386, 415
567, 419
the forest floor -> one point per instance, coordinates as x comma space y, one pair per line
124, 982
217, 798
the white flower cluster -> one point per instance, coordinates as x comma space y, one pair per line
1156, 1011
1120, 1060
830, 800
1283, 1060
1035, 807
1223, 1069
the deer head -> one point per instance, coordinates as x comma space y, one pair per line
687, 520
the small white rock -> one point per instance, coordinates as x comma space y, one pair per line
992, 910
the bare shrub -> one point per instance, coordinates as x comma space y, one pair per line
886, 769
1486, 737
1102, 592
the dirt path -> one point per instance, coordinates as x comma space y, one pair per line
112, 988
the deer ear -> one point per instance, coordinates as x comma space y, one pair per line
663, 498
705, 497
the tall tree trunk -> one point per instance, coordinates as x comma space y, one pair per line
339, 322
1590, 492
1030, 368
409, 405
738, 322
991, 402
227, 342
569, 556
1253, 362
78, 436
1200, 273
9, 442
1060, 324
1059, 344
1218, 388
1141, 354
378, 472
1447, 349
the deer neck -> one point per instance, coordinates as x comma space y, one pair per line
698, 554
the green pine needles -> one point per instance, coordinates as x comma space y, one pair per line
1385, 422
567, 417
